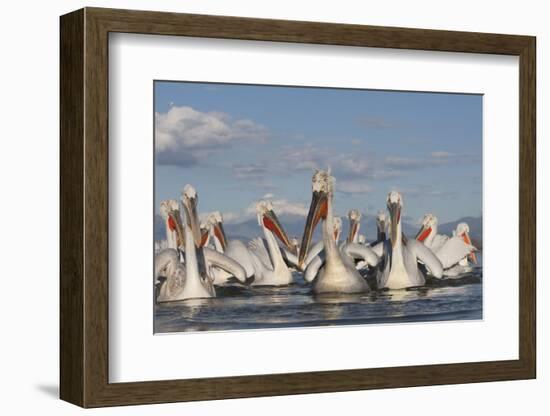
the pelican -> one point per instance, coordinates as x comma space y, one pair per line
400, 269
193, 279
359, 254
169, 271
169, 275
381, 227
338, 275
170, 212
449, 250
354, 217
270, 266
313, 257
234, 249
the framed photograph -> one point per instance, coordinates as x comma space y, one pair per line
254, 207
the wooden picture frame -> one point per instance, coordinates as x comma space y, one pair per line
84, 207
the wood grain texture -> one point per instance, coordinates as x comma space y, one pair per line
71, 208
528, 208
84, 207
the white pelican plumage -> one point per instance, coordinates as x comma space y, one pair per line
449, 250
382, 224
401, 256
352, 251
338, 274
169, 273
170, 212
354, 217
313, 256
235, 249
193, 279
270, 266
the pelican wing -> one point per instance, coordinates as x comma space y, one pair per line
163, 258
378, 249
360, 252
438, 242
313, 268
239, 252
257, 247
221, 261
314, 251
454, 250
291, 259
426, 256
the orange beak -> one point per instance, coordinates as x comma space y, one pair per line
472, 256
423, 233
318, 210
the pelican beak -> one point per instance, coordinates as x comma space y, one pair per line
381, 230
174, 221
219, 233
190, 205
317, 210
395, 216
423, 233
353, 227
472, 256
204, 237
271, 222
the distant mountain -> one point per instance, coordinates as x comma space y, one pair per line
294, 227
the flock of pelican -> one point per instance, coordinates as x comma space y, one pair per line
195, 258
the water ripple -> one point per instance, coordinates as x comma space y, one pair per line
295, 306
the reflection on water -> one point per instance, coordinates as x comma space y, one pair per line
296, 306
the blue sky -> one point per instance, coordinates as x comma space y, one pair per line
239, 143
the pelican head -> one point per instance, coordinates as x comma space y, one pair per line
337, 225
395, 204
354, 221
190, 201
168, 206
463, 231
215, 225
170, 211
295, 243
205, 235
268, 219
381, 224
322, 185
429, 222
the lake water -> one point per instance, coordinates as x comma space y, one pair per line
296, 306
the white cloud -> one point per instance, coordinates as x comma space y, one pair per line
397, 162
436, 158
424, 191
311, 157
248, 171
231, 217
353, 187
441, 154
305, 158
282, 207
184, 136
